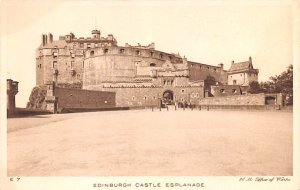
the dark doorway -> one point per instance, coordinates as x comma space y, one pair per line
270, 100
168, 97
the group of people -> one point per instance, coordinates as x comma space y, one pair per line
178, 104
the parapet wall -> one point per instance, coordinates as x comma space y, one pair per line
251, 99
77, 98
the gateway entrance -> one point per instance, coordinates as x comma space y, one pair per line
168, 97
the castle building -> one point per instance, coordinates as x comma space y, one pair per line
139, 75
62, 60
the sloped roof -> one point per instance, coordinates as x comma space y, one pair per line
242, 66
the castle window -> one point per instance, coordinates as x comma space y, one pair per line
81, 45
133, 98
215, 69
96, 44
234, 81
161, 55
54, 65
234, 91
152, 64
122, 51
92, 53
222, 90
65, 47
105, 51
145, 97
154, 98
88, 46
55, 54
208, 68
72, 64
137, 52
170, 57
200, 66
73, 55
182, 91
151, 54
250, 74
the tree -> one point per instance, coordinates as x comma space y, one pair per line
254, 87
282, 83
209, 81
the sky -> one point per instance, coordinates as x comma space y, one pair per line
207, 32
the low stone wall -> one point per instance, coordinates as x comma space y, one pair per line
251, 99
78, 98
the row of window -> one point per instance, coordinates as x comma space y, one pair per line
54, 65
244, 74
224, 91
137, 53
55, 55
168, 82
144, 98
89, 45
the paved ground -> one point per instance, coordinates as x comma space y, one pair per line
141, 142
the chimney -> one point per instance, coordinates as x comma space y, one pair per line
50, 38
44, 39
232, 62
221, 65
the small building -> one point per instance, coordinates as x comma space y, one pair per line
242, 73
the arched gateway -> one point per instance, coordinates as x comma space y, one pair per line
168, 97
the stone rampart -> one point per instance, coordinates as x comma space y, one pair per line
250, 99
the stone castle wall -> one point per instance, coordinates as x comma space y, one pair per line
150, 96
77, 98
251, 99
202, 71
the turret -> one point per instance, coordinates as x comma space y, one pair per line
96, 34
69, 37
250, 59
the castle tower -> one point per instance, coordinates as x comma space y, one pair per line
12, 90
96, 34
